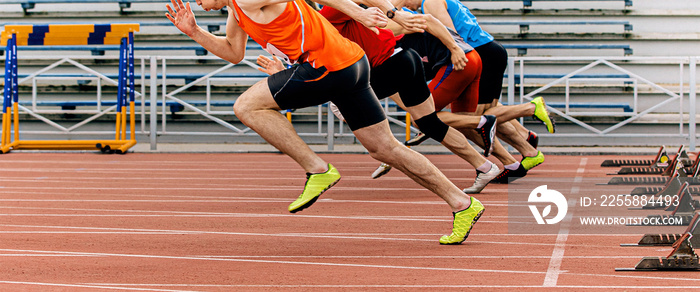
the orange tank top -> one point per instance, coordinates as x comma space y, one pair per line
300, 34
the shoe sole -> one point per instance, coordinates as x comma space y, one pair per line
476, 218
416, 142
488, 149
546, 113
545, 124
383, 172
532, 166
533, 141
507, 181
312, 201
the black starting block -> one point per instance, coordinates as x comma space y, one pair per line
681, 156
686, 205
661, 160
656, 240
681, 258
638, 181
683, 208
639, 191
672, 188
651, 180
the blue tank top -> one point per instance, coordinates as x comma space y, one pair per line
466, 24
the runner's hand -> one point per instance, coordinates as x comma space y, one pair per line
371, 17
270, 66
459, 59
410, 21
181, 16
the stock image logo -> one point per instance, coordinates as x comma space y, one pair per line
542, 195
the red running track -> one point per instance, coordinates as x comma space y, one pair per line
218, 222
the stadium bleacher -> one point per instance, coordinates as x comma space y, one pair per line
123, 4
530, 32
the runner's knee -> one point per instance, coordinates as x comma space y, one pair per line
433, 127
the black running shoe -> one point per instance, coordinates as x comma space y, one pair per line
533, 139
488, 133
508, 175
416, 140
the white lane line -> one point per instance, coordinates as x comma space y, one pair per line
282, 262
92, 286
310, 233
554, 268
338, 257
382, 236
66, 253
424, 257
396, 286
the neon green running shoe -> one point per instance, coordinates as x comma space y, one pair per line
529, 162
463, 222
316, 184
541, 113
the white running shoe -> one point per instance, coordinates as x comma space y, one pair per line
483, 179
381, 170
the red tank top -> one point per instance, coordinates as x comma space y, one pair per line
300, 34
378, 47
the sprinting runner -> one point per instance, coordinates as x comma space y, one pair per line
398, 73
329, 68
459, 89
456, 16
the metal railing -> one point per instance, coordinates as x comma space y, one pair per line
626, 66
155, 74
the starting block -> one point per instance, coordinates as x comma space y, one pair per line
672, 188
661, 160
681, 258
681, 205
687, 165
684, 203
678, 170
656, 240
640, 191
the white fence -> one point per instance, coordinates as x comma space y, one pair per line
668, 85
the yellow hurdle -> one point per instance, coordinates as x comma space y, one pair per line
408, 127
72, 34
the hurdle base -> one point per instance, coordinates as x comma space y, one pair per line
105, 146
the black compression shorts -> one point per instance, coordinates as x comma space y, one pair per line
304, 86
494, 60
402, 73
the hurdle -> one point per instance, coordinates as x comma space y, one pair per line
70, 34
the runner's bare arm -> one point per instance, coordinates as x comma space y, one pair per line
438, 9
407, 20
368, 17
436, 28
230, 48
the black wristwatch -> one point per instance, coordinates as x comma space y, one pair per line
391, 13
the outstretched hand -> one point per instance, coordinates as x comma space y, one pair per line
181, 16
372, 17
411, 22
270, 66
